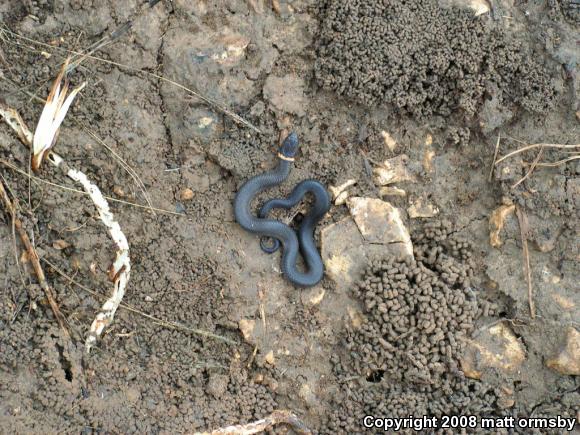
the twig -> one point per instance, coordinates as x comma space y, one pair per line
558, 163
494, 157
277, 417
524, 231
34, 259
537, 145
532, 167
161, 322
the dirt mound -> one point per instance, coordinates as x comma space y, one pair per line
568, 8
418, 314
426, 60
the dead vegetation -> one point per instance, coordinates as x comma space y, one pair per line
572, 150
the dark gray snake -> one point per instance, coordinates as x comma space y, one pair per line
292, 243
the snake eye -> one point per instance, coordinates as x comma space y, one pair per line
290, 146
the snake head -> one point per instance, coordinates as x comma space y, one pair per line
290, 146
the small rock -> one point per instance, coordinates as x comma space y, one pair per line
496, 223
313, 296
186, 194
479, 7
356, 317
148, 298
393, 171
376, 229
247, 328
495, 347
390, 143
421, 208
342, 251
505, 402
392, 191
217, 385
339, 193
567, 362
269, 358
428, 157
60, 244
234, 47
378, 221
118, 190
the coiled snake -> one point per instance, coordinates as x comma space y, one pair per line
291, 242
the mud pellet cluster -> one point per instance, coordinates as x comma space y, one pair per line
405, 355
425, 60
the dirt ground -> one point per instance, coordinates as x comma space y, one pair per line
360, 83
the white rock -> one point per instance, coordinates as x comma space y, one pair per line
494, 347
379, 222
567, 362
390, 143
421, 208
374, 230
393, 171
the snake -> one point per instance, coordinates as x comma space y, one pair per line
292, 242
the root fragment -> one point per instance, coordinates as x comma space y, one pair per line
34, 259
524, 231
276, 418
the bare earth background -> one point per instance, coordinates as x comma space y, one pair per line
442, 84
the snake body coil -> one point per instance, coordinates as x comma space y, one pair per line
292, 244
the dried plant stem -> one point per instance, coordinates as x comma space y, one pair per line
277, 417
524, 231
558, 163
532, 167
34, 259
494, 157
537, 145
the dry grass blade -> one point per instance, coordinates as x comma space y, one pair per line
524, 231
34, 259
558, 163
532, 167
53, 114
494, 157
537, 145
156, 320
120, 270
274, 419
